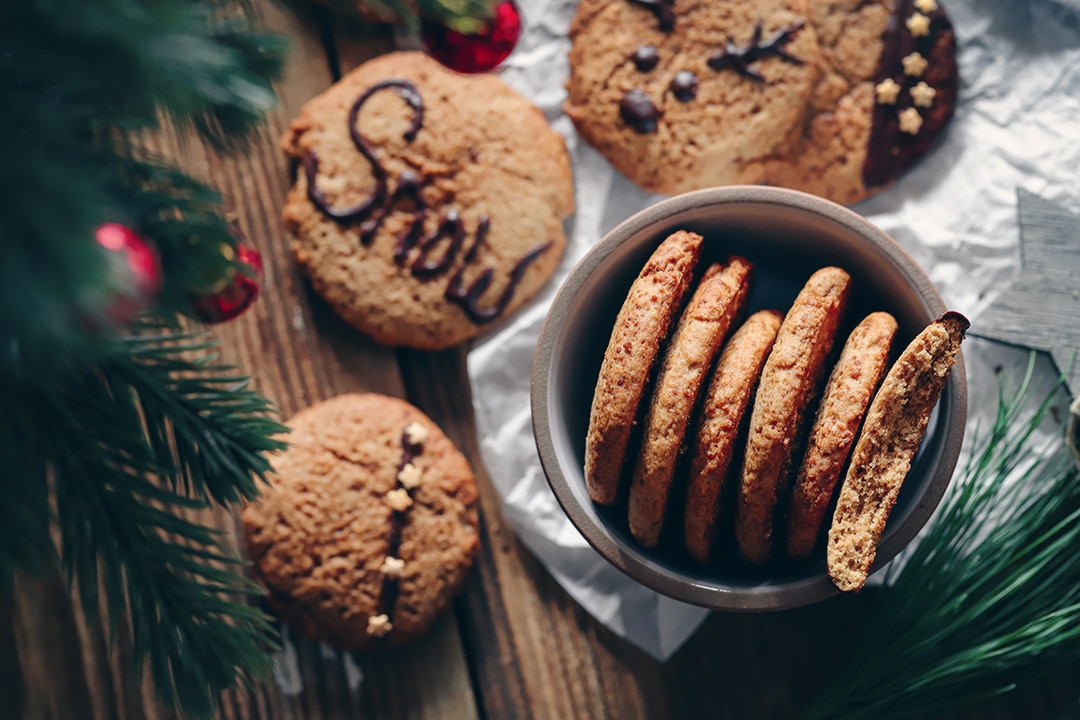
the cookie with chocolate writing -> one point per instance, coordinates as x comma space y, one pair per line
837, 99
369, 526
427, 204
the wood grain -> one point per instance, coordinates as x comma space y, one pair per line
516, 645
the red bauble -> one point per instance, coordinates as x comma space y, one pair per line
235, 293
475, 52
134, 275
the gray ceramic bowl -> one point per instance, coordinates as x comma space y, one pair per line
787, 235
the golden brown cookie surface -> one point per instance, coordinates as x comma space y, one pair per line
427, 204
369, 526
716, 302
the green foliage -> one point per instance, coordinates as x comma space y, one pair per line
462, 15
158, 429
991, 593
77, 80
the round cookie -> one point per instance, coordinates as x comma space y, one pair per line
427, 204
887, 91
369, 525
680, 96
847, 394
652, 303
722, 420
716, 302
789, 381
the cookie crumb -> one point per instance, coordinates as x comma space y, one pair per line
887, 91
914, 64
918, 25
926, 6
923, 95
399, 499
392, 567
409, 476
416, 433
379, 626
911, 121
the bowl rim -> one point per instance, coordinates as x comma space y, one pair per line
650, 573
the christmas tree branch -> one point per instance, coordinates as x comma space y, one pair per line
991, 593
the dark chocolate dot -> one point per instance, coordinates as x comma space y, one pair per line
639, 112
684, 86
645, 58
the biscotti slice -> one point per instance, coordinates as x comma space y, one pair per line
640, 328
789, 381
894, 427
717, 300
847, 394
726, 401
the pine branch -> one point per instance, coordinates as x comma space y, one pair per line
990, 595
159, 430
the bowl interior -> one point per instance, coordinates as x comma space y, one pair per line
787, 235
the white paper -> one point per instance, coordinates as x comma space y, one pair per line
1017, 124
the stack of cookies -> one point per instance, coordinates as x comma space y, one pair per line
722, 432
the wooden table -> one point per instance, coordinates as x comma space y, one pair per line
515, 646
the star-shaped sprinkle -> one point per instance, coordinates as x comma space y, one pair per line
1041, 308
914, 64
918, 25
379, 626
740, 58
910, 121
923, 95
926, 6
409, 476
399, 499
887, 91
416, 433
392, 567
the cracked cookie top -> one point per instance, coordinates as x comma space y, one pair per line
369, 525
427, 204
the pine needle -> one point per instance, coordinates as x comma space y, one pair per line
990, 595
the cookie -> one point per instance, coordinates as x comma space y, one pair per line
895, 425
789, 381
847, 394
640, 328
428, 204
717, 300
837, 99
369, 525
722, 417
680, 96
887, 91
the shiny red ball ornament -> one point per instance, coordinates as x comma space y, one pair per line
134, 274
234, 293
476, 52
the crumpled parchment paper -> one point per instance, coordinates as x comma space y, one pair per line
1017, 124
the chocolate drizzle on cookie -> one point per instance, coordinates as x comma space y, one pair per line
664, 10
639, 112
392, 582
410, 95
372, 212
740, 59
891, 150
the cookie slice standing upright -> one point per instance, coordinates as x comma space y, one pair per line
722, 418
848, 392
704, 324
789, 381
894, 427
640, 328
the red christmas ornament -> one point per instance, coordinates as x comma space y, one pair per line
234, 293
474, 52
134, 274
